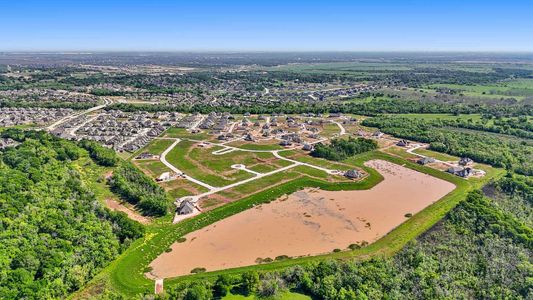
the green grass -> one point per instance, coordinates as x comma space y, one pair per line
157, 146
259, 146
519, 89
154, 167
262, 168
330, 129
436, 155
179, 192
92, 176
215, 163
182, 187
183, 133
264, 182
297, 155
400, 151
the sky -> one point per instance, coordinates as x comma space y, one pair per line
159, 25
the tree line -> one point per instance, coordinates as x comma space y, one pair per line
340, 149
372, 108
138, 189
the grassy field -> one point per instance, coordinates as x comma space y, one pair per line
519, 89
181, 187
330, 130
126, 274
152, 168
400, 151
436, 155
283, 296
216, 170
158, 146
256, 146
302, 156
183, 133
201, 164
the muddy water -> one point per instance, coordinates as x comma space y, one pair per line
308, 222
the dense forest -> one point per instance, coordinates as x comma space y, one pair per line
54, 234
511, 153
137, 188
340, 149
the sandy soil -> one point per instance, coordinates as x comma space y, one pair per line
308, 222
115, 205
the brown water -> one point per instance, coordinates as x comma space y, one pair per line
308, 222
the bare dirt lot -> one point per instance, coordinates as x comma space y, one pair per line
308, 222
117, 206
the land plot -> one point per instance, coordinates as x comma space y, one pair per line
181, 187
216, 170
183, 133
152, 168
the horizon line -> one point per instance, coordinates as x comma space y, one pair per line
90, 51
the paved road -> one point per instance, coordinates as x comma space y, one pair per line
73, 130
261, 175
163, 159
276, 154
214, 190
73, 116
343, 131
410, 151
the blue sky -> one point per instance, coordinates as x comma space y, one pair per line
447, 25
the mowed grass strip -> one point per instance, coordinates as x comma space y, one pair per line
400, 151
436, 155
259, 146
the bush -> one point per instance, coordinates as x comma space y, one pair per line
354, 246
222, 285
270, 287
249, 282
198, 270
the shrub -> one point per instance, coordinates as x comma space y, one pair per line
198, 270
